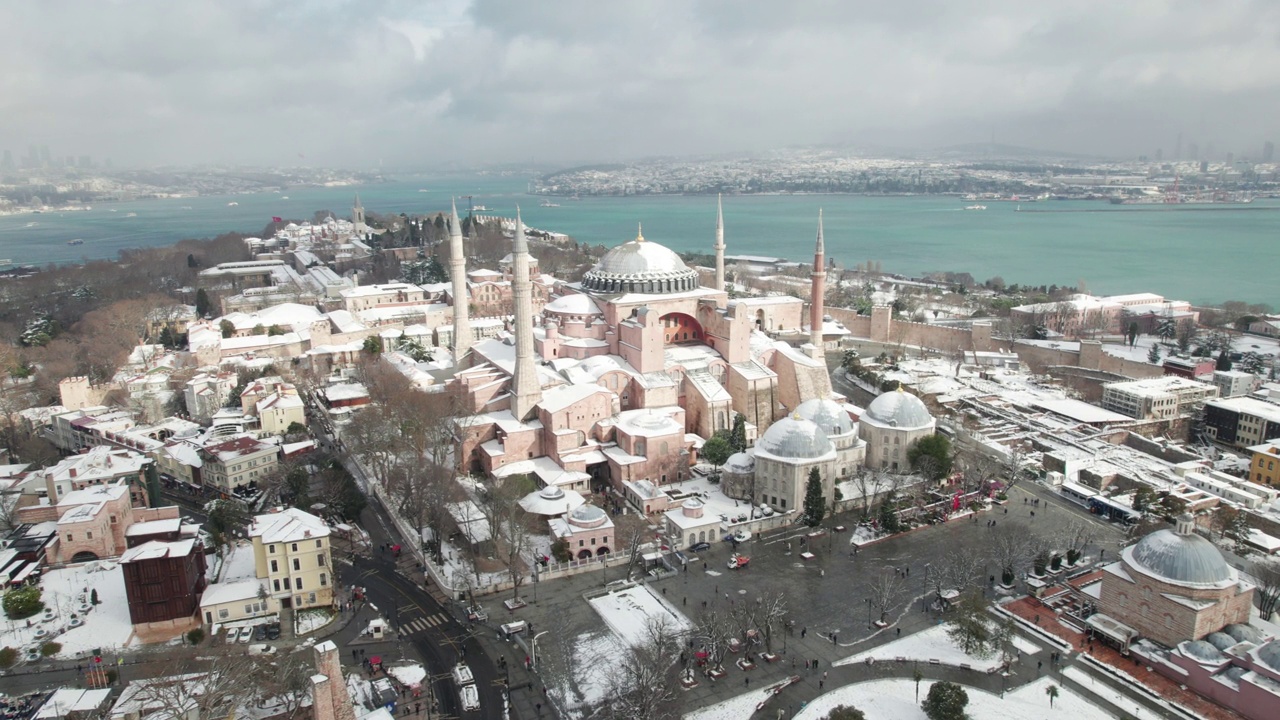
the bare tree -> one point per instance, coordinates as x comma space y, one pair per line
870, 484
978, 470
1267, 575
1076, 537
957, 570
772, 611
715, 629
643, 680
1010, 548
285, 682
208, 685
886, 590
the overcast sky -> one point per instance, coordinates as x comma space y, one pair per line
416, 82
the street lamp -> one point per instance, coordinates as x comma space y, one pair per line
925, 595
533, 650
868, 613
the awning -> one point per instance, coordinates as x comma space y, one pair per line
1112, 628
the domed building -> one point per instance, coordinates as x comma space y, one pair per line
889, 425
640, 267
792, 447
586, 529
1174, 586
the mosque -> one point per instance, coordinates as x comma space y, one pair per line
618, 379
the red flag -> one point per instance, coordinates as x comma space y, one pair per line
276, 219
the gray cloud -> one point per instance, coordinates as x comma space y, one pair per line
418, 83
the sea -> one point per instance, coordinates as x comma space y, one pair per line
1205, 254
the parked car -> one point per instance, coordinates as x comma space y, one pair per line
259, 633
699, 547
738, 561
273, 631
742, 536
246, 635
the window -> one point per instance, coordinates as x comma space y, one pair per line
298, 583
286, 584
581, 543
271, 549
275, 567
311, 598
297, 564
69, 538
277, 585
248, 609
605, 540
295, 547
324, 580
223, 613
318, 544
113, 519
593, 541
320, 560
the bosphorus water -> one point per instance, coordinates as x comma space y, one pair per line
1204, 254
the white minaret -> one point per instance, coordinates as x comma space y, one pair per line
526, 390
461, 301
357, 217
719, 244
819, 288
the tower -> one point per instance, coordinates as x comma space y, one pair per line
819, 287
526, 390
357, 217
719, 244
461, 301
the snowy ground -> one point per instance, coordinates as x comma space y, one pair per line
308, 621
895, 700
1087, 680
66, 591
630, 612
737, 708
408, 674
931, 644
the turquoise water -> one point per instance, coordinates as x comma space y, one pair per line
1206, 255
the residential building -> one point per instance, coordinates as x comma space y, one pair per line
364, 297
236, 463
1242, 421
276, 413
1264, 468
1234, 383
101, 465
1159, 398
291, 551
1192, 368
207, 393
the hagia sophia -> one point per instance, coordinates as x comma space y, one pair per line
618, 380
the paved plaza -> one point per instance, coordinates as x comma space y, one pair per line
826, 595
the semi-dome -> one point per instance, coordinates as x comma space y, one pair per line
1180, 558
827, 414
1270, 654
795, 438
640, 266
573, 304
739, 463
898, 409
587, 516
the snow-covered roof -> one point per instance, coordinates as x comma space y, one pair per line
288, 525
158, 549
233, 591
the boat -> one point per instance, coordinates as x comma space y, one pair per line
975, 207
77, 241
232, 204
185, 207
132, 215
284, 197
479, 208
32, 224
423, 190
112, 210
548, 203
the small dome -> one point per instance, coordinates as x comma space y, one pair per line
739, 463
1270, 654
640, 266
796, 438
1220, 640
1201, 650
1243, 633
587, 516
1183, 559
898, 409
827, 414
552, 492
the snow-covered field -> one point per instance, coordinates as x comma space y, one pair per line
895, 700
311, 620
736, 708
408, 674
630, 612
931, 644
1087, 680
105, 625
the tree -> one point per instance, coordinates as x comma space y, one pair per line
716, 450
869, 484
1009, 548
738, 436
1251, 362
844, 712
206, 686
1186, 335
1167, 329
889, 521
968, 625
195, 636
815, 503
1075, 538
23, 602
1143, 496
373, 345
1266, 574
643, 681
1224, 361
931, 456
945, 701
1132, 334
1153, 355
1052, 692
1238, 533
226, 328
93, 597
226, 520
885, 590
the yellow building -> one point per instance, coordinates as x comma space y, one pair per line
1265, 468
291, 551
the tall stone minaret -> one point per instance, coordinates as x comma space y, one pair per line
526, 390
461, 301
357, 217
719, 244
819, 288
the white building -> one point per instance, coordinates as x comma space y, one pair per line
1234, 383
1160, 398
892, 422
207, 393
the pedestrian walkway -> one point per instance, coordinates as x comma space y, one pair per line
420, 624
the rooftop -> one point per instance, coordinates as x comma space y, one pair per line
289, 525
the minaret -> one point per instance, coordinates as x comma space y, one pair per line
461, 301
526, 390
357, 217
719, 286
819, 288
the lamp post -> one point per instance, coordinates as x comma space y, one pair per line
925, 594
868, 613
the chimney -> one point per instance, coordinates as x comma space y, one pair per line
73, 472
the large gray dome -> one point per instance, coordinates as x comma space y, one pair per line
898, 409
795, 438
1181, 559
827, 414
640, 266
